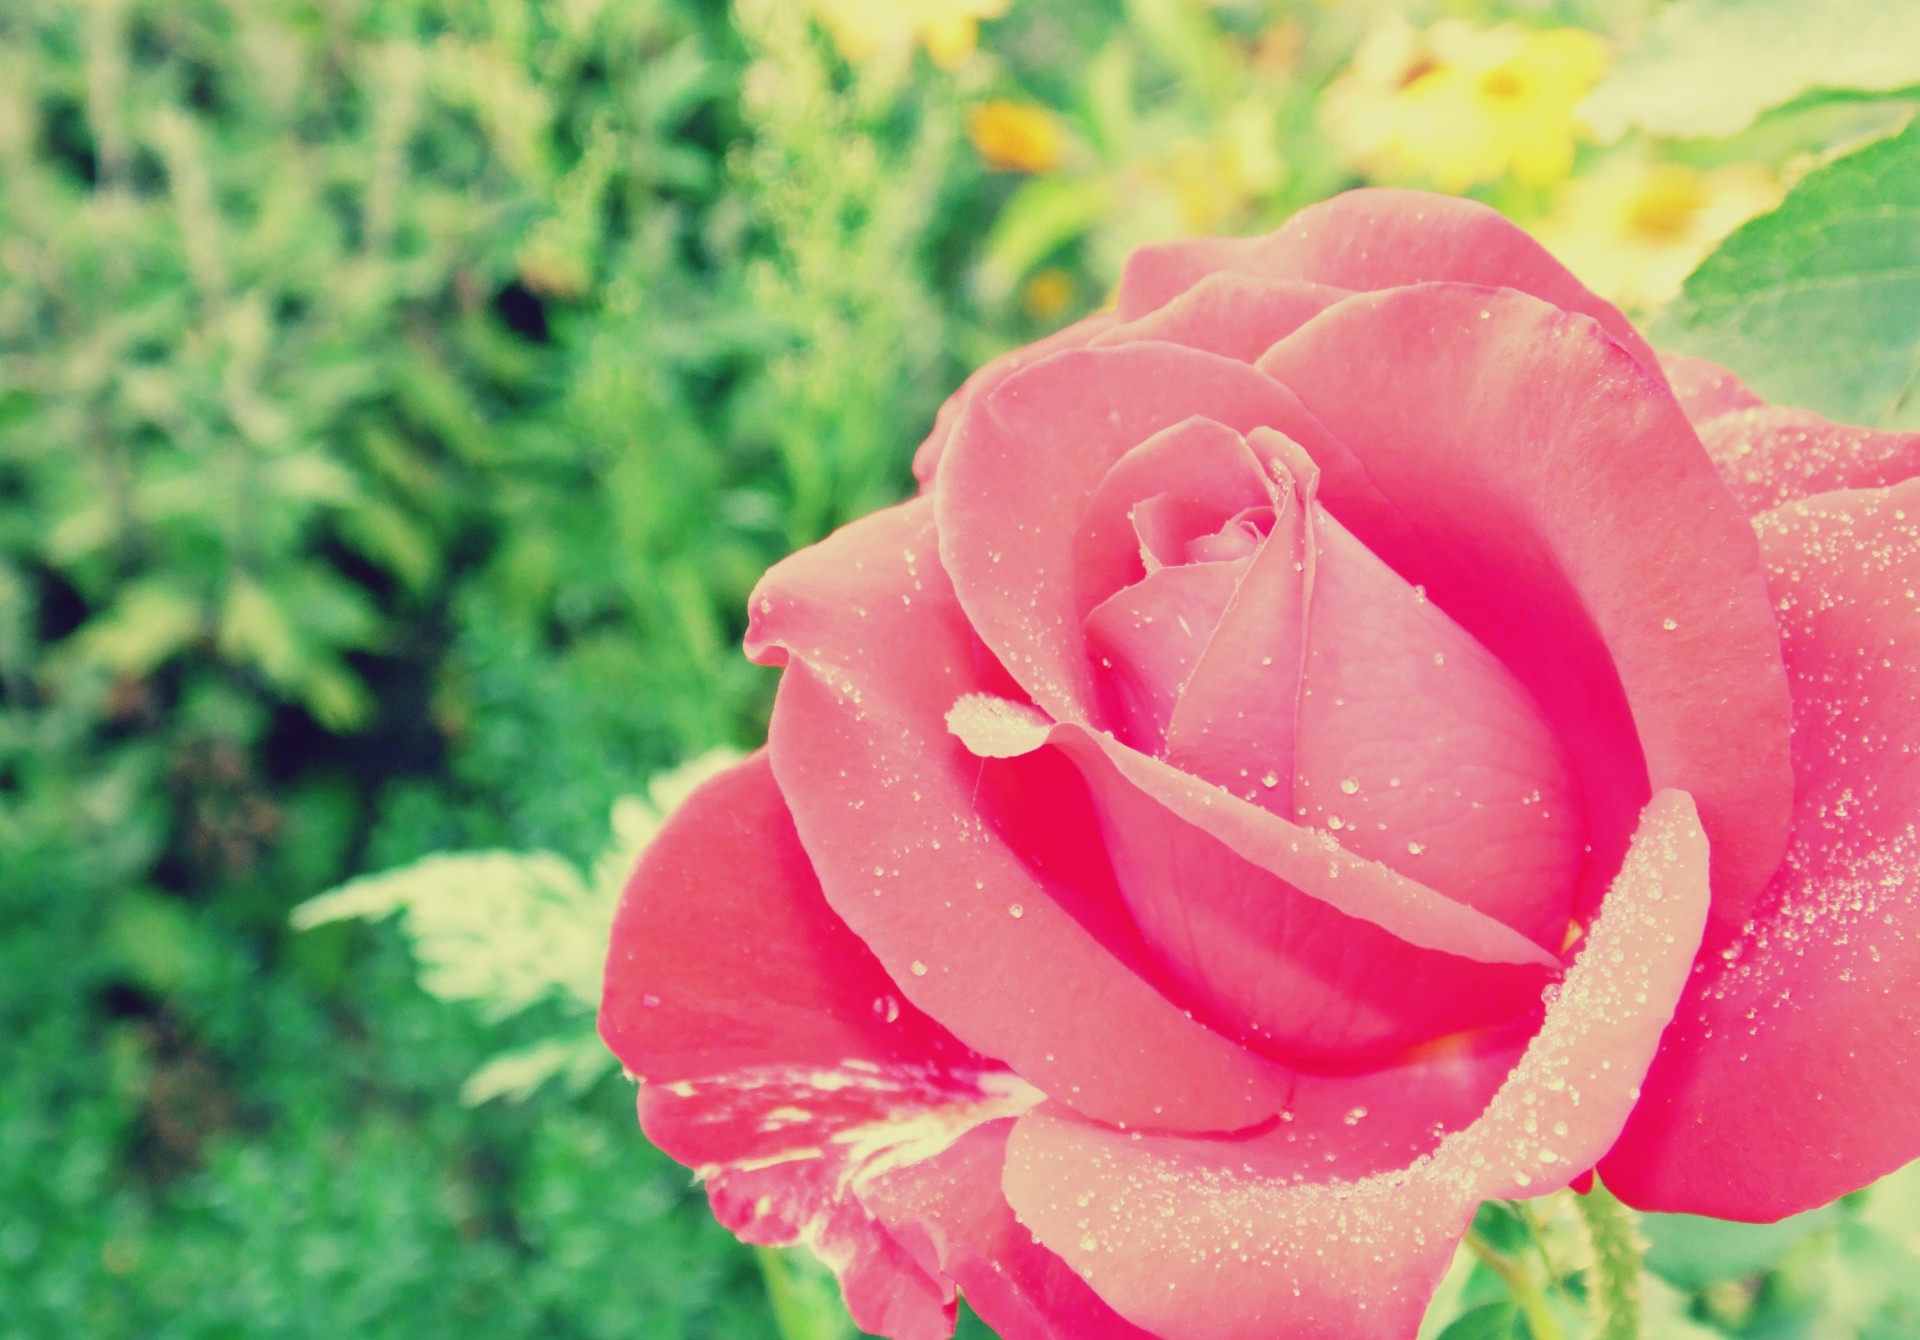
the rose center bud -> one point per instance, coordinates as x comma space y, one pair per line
1239, 632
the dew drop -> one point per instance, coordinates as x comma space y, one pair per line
1350, 785
1016, 911
1271, 779
919, 968
1669, 624
651, 1001
1415, 848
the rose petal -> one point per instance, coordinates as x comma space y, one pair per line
1209, 1240
1236, 315
950, 1209
1035, 451
926, 460
1203, 463
1378, 239
1554, 501
1275, 935
976, 871
1768, 455
1147, 638
1792, 1071
1705, 390
781, 1063
1424, 751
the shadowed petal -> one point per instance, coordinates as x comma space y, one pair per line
1206, 1240
1553, 500
1792, 1071
957, 874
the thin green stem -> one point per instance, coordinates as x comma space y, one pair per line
1521, 1284
1613, 1290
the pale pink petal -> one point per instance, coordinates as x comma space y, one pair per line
1236, 315
1768, 455
1034, 452
1378, 239
956, 870
1233, 724
1198, 461
950, 1212
1792, 1071
1705, 390
926, 460
1146, 639
1212, 1240
1553, 500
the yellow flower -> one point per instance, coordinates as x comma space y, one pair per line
1634, 230
1047, 294
1458, 105
863, 30
1016, 137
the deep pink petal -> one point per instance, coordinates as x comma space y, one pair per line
1236, 315
951, 1212
1705, 390
1277, 936
1792, 1071
957, 874
1768, 455
776, 1057
1212, 1240
1423, 752
1379, 239
1553, 500
926, 460
1034, 453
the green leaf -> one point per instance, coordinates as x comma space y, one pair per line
1709, 67
1694, 1252
1044, 215
1493, 1321
806, 1301
1818, 303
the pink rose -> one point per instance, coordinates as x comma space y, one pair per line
1348, 734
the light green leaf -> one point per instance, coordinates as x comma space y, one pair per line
1045, 214
1818, 303
1709, 67
147, 624
514, 1075
498, 928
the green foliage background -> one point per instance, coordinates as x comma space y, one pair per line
398, 399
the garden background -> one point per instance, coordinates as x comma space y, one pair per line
398, 399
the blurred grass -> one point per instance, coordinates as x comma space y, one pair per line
398, 399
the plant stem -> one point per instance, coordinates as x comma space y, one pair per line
1522, 1285
1613, 1290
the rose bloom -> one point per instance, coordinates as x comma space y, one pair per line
1347, 734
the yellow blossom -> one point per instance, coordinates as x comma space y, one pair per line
1634, 230
863, 30
1047, 294
1457, 105
1016, 136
